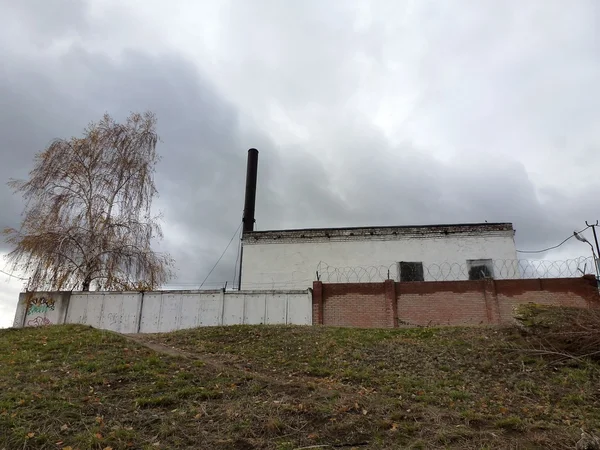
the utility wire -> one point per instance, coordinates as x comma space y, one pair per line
222, 254
551, 248
237, 258
11, 275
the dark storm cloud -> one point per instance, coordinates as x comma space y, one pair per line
375, 183
364, 180
201, 175
32, 112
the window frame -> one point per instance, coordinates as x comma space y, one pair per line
488, 263
419, 271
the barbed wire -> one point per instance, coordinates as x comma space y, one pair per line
454, 271
445, 271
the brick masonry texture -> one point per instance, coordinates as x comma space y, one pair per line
485, 302
377, 233
357, 304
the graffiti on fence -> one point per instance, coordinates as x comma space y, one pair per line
38, 321
40, 305
115, 318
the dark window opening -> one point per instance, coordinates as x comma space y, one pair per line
411, 271
480, 269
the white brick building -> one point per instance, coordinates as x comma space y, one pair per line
291, 258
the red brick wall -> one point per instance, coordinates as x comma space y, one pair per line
441, 303
355, 305
578, 292
391, 304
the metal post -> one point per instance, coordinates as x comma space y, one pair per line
140, 311
595, 239
240, 274
597, 258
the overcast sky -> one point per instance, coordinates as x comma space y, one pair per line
365, 113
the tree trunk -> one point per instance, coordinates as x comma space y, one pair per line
85, 287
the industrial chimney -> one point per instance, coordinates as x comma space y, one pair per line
250, 200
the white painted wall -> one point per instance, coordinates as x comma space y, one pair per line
164, 311
292, 265
116, 311
158, 312
41, 308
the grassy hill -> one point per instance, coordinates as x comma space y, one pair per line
251, 387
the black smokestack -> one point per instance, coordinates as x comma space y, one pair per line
250, 200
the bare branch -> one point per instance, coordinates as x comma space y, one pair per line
87, 216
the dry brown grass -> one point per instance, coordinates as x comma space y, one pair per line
561, 333
267, 387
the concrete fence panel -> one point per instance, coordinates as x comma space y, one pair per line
41, 308
159, 312
255, 308
276, 308
300, 310
171, 311
168, 311
121, 312
233, 309
210, 309
115, 311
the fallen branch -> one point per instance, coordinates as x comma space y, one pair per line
567, 333
355, 444
312, 446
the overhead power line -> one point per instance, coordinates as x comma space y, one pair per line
11, 275
222, 254
551, 248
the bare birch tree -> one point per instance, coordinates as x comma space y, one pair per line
87, 222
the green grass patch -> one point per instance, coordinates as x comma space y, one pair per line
285, 387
